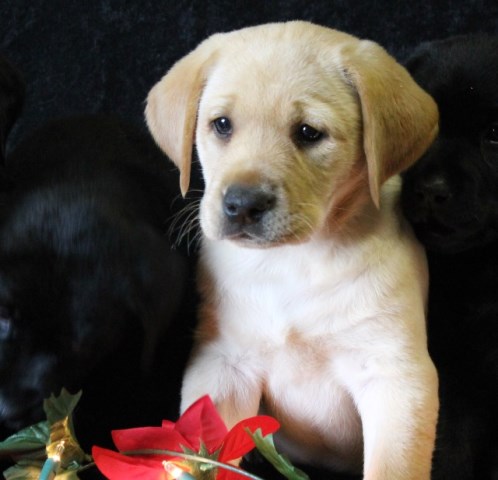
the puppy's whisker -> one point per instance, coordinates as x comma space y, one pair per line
195, 240
191, 226
302, 220
305, 220
184, 222
179, 216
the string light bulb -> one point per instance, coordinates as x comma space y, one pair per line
176, 472
49, 468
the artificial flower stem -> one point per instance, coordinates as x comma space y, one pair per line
194, 458
221, 465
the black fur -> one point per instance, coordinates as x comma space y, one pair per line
87, 275
451, 198
12, 92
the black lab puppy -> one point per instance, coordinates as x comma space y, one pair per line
451, 198
87, 275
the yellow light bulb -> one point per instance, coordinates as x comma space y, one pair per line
176, 472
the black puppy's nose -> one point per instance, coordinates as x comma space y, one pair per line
433, 191
247, 204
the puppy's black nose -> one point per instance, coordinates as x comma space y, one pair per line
247, 204
433, 191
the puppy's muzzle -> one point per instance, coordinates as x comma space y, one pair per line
431, 197
433, 192
246, 209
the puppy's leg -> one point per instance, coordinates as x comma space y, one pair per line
398, 406
228, 377
233, 388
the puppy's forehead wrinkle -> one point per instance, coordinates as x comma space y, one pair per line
221, 105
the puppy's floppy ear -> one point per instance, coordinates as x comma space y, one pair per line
172, 104
400, 120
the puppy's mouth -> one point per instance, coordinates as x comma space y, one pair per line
241, 236
249, 236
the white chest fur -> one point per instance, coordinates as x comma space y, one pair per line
270, 293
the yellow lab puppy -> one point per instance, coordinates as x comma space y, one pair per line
313, 286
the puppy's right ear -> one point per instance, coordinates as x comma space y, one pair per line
400, 119
172, 104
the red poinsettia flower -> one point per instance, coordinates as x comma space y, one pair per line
199, 429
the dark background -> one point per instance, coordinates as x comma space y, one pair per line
104, 55
88, 56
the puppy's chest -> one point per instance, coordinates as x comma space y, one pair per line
288, 316
283, 296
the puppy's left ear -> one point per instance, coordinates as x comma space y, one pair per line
400, 120
172, 104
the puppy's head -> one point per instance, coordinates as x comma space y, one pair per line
296, 126
451, 195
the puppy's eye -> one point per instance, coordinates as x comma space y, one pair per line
491, 134
306, 134
222, 127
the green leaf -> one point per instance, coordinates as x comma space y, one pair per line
56, 435
23, 471
67, 475
206, 471
29, 471
266, 447
36, 437
58, 408
29, 439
